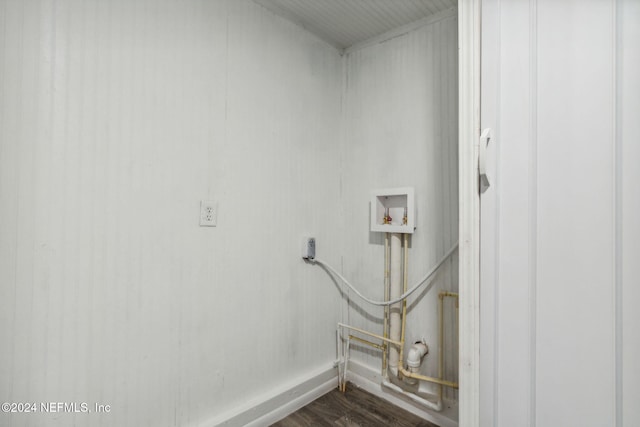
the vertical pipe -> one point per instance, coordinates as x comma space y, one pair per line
405, 273
395, 291
339, 349
346, 365
440, 342
457, 337
385, 332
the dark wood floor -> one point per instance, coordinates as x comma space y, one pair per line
355, 408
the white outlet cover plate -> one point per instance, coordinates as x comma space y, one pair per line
208, 213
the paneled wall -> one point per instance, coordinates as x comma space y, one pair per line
116, 119
560, 225
400, 129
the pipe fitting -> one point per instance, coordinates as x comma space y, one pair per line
414, 360
415, 355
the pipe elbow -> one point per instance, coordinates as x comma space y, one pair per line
416, 353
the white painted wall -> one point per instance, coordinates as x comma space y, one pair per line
560, 223
400, 129
116, 119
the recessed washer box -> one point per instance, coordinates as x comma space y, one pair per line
393, 210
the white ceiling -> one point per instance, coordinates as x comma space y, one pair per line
344, 23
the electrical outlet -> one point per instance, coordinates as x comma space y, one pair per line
208, 213
308, 247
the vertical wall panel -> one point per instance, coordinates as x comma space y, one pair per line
116, 119
400, 129
628, 85
575, 212
506, 327
489, 375
565, 285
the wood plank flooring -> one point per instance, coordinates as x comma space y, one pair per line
355, 408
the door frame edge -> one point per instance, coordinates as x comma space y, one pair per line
469, 33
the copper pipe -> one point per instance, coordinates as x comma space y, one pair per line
385, 330
369, 343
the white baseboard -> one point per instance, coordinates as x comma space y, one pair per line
287, 399
279, 403
371, 380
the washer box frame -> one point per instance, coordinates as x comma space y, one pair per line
396, 200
